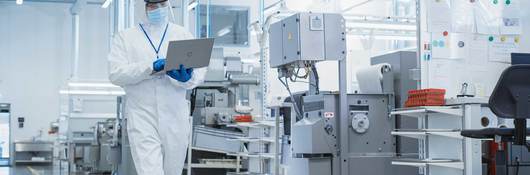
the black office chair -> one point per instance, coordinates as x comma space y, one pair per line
511, 100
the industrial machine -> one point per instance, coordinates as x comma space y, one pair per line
95, 152
331, 133
225, 94
99, 145
226, 98
95, 145
406, 76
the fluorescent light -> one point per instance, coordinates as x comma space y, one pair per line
96, 85
19, 2
368, 25
106, 4
386, 37
399, 38
192, 5
87, 92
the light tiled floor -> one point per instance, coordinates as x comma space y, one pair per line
35, 170
28, 170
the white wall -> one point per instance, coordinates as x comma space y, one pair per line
450, 74
35, 59
525, 37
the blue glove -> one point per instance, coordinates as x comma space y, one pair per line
182, 74
159, 64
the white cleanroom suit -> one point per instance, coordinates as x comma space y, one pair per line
156, 108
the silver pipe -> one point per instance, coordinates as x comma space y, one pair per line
380, 22
75, 40
131, 14
272, 5
376, 17
395, 9
116, 16
111, 25
182, 12
343, 113
126, 13
243, 79
418, 39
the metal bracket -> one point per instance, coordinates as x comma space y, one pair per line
77, 7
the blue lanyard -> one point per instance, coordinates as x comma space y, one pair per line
151, 42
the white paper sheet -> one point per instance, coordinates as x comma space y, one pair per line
463, 16
488, 16
500, 49
452, 46
478, 52
438, 16
511, 22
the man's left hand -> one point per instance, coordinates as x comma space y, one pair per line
182, 74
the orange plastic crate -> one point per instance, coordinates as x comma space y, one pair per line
426, 97
243, 118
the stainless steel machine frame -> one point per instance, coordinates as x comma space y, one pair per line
316, 140
331, 132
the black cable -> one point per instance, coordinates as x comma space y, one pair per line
295, 105
193, 96
307, 72
296, 75
315, 74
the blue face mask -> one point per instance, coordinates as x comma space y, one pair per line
158, 16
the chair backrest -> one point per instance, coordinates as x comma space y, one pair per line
511, 96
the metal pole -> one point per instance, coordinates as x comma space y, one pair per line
198, 19
190, 139
264, 61
207, 18
111, 25
418, 40
395, 9
342, 118
277, 145
116, 16
75, 40
238, 162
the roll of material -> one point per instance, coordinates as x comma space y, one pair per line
243, 79
370, 79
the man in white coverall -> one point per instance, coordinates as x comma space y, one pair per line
156, 107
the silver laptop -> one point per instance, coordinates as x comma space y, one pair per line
190, 53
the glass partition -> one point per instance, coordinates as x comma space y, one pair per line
227, 24
5, 134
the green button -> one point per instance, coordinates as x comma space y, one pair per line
508, 2
491, 38
495, 1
